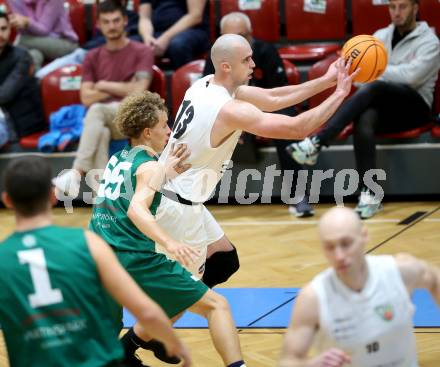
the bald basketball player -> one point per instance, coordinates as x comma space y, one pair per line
358, 311
214, 112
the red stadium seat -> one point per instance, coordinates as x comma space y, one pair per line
159, 83
31, 141
312, 29
212, 21
307, 26
408, 134
308, 52
368, 18
77, 18
292, 73
182, 79
60, 88
265, 20
94, 18
430, 12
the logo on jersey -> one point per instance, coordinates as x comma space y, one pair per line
29, 240
386, 312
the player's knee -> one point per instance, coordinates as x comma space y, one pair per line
213, 302
95, 111
220, 266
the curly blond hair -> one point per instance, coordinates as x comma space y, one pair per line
138, 112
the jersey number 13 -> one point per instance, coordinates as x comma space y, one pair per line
182, 121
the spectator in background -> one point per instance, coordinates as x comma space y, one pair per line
400, 100
44, 27
268, 73
178, 29
110, 72
78, 56
20, 100
162, 20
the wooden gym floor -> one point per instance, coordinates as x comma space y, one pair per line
279, 250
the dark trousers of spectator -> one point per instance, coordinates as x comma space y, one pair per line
186, 46
377, 108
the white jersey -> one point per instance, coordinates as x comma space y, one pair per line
193, 125
373, 326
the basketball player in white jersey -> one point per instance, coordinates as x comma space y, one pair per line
359, 311
214, 112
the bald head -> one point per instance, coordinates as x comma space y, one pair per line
237, 23
340, 220
226, 47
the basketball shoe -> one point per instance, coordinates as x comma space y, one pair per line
305, 151
133, 361
302, 209
368, 205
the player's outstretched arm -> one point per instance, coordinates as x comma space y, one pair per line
239, 115
300, 334
147, 177
275, 99
417, 273
127, 293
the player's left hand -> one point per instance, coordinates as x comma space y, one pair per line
184, 254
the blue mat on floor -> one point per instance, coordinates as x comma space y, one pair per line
271, 308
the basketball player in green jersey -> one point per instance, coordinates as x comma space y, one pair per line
124, 216
55, 284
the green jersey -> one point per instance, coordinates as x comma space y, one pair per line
109, 217
53, 307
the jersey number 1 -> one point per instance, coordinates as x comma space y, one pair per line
179, 127
44, 294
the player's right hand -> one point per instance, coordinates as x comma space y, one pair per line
184, 254
331, 358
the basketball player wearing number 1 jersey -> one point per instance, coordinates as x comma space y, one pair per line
215, 110
55, 283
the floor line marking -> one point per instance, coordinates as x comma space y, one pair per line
403, 230
295, 222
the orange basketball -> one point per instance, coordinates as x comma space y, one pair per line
369, 54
